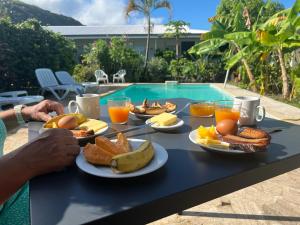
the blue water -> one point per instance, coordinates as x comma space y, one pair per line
139, 92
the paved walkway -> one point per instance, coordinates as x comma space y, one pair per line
272, 202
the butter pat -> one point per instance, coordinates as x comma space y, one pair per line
92, 124
164, 119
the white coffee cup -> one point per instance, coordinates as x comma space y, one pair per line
88, 105
251, 110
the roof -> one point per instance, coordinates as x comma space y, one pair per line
113, 30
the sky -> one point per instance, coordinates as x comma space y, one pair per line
111, 12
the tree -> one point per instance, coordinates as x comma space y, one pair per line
280, 33
176, 29
146, 7
227, 8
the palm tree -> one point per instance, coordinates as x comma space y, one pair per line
176, 29
146, 7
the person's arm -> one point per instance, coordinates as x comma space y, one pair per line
51, 151
37, 112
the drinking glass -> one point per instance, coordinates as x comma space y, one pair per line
118, 109
202, 108
227, 109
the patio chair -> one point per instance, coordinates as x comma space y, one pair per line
48, 82
20, 100
119, 76
65, 78
101, 76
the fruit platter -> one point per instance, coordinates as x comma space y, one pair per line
81, 126
121, 158
148, 110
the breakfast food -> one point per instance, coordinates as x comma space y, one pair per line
152, 109
67, 122
119, 155
164, 119
207, 133
247, 140
253, 133
77, 123
134, 160
225, 127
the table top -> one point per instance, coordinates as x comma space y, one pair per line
191, 176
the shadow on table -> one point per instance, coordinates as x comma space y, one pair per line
241, 216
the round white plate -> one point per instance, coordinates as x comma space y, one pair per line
193, 137
101, 131
159, 159
178, 124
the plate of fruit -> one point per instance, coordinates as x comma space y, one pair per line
121, 158
148, 110
227, 138
81, 126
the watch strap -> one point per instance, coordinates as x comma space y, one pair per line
18, 113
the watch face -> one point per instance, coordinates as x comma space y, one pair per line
18, 109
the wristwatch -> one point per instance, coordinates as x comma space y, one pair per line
18, 112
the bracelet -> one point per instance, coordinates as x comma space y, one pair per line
18, 113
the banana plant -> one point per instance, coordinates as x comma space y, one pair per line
240, 40
280, 33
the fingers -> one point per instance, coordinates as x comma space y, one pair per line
43, 116
73, 150
55, 107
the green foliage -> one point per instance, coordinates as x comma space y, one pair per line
157, 69
256, 8
176, 28
167, 55
110, 57
19, 12
28, 46
84, 73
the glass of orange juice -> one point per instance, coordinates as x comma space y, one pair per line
202, 108
227, 110
118, 109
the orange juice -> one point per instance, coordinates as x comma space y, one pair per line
202, 109
226, 114
118, 114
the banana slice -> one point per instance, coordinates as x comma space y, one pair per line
135, 160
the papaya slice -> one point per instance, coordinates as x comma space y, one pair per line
96, 155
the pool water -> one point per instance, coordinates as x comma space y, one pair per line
138, 92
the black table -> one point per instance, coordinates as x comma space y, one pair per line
190, 177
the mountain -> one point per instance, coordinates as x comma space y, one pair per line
19, 11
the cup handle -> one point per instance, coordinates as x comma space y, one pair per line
70, 106
260, 113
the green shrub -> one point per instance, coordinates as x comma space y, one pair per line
167, 55
157, 69
111, 58
85, 73
28, 46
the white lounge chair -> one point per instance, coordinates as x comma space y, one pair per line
65, 78
119, 76
48, 82
101, 76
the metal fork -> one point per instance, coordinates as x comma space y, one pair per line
141, 126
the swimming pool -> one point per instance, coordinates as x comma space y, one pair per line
138, 92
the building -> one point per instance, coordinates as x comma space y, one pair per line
136, 36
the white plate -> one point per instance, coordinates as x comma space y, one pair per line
178, 124
146, 116
101, 131
193, 137
159, 159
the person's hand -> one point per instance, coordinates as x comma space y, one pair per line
51, 151
40, 111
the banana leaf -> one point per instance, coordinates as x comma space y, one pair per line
294, 10
235, 59
207, 46
242, 38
